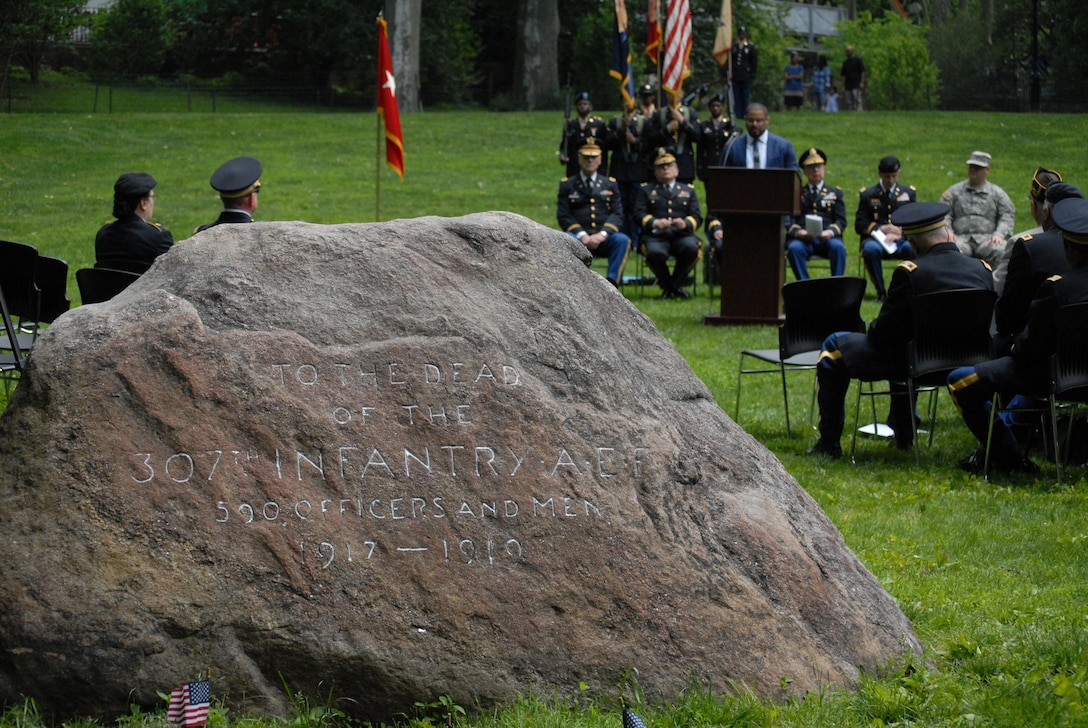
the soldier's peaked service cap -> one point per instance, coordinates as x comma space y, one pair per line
237, 178
920, 217
1071, 217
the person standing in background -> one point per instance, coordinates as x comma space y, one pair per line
795, 83
821, 80
853, 80
745, 65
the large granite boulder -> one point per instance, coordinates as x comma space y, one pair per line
395, 461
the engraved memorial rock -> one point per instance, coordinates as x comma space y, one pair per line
390, 462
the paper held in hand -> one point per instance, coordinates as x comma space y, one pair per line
814, 225
879, 236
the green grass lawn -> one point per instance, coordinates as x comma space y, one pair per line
993, 575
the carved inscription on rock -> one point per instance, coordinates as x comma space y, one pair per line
417, 461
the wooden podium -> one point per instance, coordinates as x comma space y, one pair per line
751, 204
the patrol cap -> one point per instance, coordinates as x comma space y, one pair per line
916, 218
133, 185
590, 149
1042, 179
584, 96
888, 164
237, 178
813, 156
1071, 217
979, 159
664, 156
645, 90
1059, 191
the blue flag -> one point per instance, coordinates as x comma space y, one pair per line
621, 58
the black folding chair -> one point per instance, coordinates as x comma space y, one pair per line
52, 278
12, 358
951, 330
814, 309
18, 280
1068, 385
101, 284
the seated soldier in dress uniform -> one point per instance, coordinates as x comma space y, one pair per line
880, 239
826, 203
1035, 257
669, 214
237, 181
132, 241
1040, 181
881, 353
1027, 367
590, 209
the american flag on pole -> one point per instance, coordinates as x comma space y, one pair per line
653, 30
631, 719
677, 49
723, 41
621, 58
387, 103
189, 704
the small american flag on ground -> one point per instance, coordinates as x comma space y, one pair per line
631, 720
189, 704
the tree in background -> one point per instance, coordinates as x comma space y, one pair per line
1063, 51
448, 69
29, 27
536, 50
900, 75
132, 39
514, 55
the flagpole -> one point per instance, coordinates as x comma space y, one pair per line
378, 169
388, 117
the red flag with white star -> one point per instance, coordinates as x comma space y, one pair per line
387, 103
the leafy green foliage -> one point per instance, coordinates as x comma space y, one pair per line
132, 39
900, 75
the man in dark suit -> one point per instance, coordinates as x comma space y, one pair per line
237, 181
669, 214
759, 148
1027, 367
880, 354
1035, 258
590, 209
880, 239
820, 202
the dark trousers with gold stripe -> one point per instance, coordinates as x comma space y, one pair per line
834, 370
973, 394
684, 247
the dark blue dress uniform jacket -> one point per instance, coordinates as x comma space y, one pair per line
943, 268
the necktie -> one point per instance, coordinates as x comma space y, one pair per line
755, 153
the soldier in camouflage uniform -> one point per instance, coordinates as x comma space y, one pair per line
982, 213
